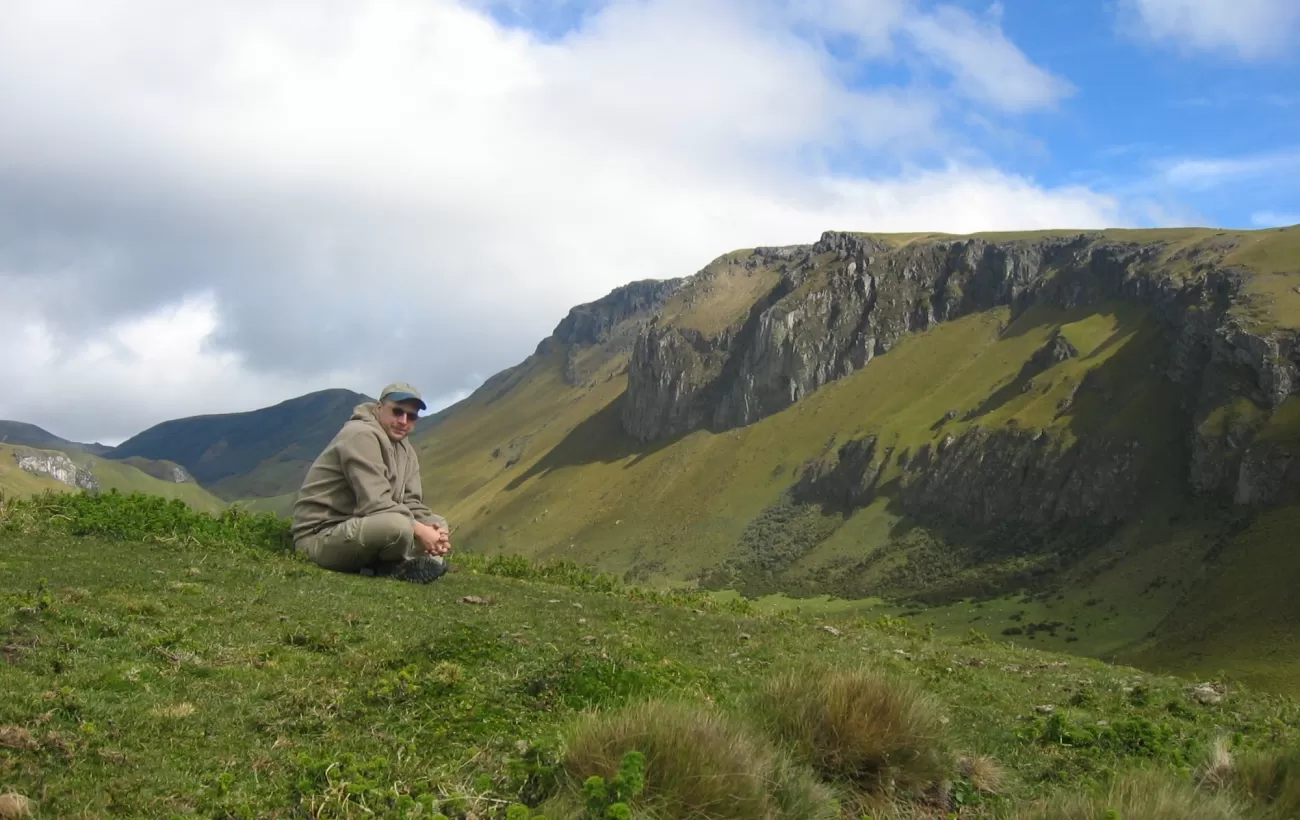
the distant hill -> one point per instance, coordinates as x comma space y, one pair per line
29, 435
258, 453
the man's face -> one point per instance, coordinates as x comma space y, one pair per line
398, 420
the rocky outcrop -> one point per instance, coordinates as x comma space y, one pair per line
847, 481
609, 324
848, 298
985, 478
841, 302
58, 467
592, 322
1057, 350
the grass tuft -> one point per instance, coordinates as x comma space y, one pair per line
865, 728
16, 737
1148, 795
1216, 771
1269, 778
698, 763
14, 806
984, 773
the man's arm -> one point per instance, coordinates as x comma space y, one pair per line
413, 495
363, 465
431, 529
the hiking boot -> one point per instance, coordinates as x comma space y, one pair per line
420, 570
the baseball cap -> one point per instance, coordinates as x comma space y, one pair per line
401, 391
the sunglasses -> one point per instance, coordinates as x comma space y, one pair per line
413, 415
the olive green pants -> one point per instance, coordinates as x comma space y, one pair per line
361, 542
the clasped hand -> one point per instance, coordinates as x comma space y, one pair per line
434, 539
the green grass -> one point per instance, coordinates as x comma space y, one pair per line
281, 505
216, 673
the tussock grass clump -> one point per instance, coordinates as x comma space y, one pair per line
862, 727
14, 806
985, 774
1269, 778
1144, 794
698, 764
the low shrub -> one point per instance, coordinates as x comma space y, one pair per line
147, 518
695, 763
864, 728
1139, 795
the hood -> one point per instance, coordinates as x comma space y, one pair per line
366, 411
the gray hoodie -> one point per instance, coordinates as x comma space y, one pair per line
361, 472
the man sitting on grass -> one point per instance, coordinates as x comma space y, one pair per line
361, 507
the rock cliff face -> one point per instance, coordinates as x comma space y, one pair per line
848, 298
591, 323
984, 478
608, 326
987, 477
58, 467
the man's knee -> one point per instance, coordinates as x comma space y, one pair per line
360, 542
386, 532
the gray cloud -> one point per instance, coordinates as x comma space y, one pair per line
208, 207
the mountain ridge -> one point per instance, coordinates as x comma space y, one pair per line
30, 435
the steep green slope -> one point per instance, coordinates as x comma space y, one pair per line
263, 452
17, 482
105, 475
599, 496
1052, 438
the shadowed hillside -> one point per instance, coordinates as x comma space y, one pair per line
260, 453
1072, 431
29, 435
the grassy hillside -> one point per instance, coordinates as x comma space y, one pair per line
16, 482
539, 467
112, 475
230, 678
281, 505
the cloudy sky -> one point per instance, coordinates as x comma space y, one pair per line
215, 205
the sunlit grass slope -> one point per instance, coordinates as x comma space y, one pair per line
112, 475
584, 490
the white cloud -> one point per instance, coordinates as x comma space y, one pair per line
1249, 29
1206, 173
1274, 219
986, 65
352, 192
